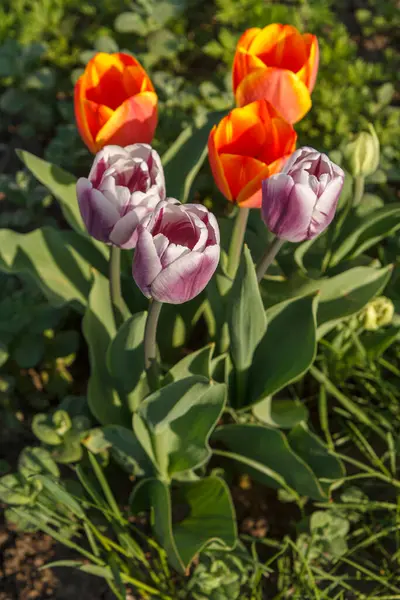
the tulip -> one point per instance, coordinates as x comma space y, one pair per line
299, 203
123, 186
279, 64
247, 146
115, 102
177, 252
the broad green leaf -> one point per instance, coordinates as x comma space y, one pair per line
360, 233
266, 455
125, 359
340, 296
15, 490
184, 158
278, 359
33, 461
247, 319
280, 412
196, 363
207, 516
128, 451
60, 183
49, 257
29, 350
313, 451
180, 418
99, 329
348, 293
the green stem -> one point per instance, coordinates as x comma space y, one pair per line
268, 258
236, 245
359, 185
150, 345
115, 283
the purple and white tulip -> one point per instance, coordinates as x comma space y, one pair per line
123, 186
300, 202
177, 252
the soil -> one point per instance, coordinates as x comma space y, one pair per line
22, 556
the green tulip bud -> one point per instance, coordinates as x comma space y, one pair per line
362, 153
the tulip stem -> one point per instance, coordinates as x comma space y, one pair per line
268, 258
150, 345
115, 284
236, 245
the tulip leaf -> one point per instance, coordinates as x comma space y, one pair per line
278, 360
125, 359
60, 183
99, 329
50, 257
265, 454
196, 363
283, 413
205, 512
178, 420
127, 450
360, 233
184, 158
247, 320
340, 296
347, 293
313, 451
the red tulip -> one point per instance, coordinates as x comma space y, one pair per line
115, 102
279, 64
249, 145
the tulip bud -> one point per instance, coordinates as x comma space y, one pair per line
300, 202
124, 185
177, 252
377, 313
362, 153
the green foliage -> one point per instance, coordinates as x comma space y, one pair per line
302, 385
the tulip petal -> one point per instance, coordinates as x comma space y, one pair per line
217, 168
240, 171
82, 116
251, 194
124, 233
293, 212
135, 80
325, 208
244, 63
280, 87
241, 132
186, 277
134, 121
281, 142
208, 218
146, 263
275, 191
308, 73
98, 214
285, 48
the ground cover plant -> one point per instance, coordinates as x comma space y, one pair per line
199, 310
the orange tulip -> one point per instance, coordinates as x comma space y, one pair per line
249, 145
115, 102
279, 64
